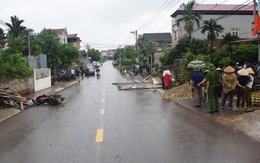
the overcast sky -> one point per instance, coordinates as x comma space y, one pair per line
104, 24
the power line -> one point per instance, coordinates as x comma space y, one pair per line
152, 15
161, 13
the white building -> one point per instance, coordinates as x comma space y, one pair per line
236, 19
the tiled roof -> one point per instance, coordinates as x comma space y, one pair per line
59, 31
159, 37
3, 41
218, 9
72, 36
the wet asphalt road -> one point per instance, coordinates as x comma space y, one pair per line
97, 123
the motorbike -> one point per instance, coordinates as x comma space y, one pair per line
50, 99
64, 77
98, 75
52, 80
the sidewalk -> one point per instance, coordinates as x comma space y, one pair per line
247, 124
59, 86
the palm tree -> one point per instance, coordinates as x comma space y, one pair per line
2, 34
190, 18
213, 29
15, 26
226, 39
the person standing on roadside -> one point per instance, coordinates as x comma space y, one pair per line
204, 87
196, 78
229, 85
249, 86
77, 72
242, 80
211, 81
166, 78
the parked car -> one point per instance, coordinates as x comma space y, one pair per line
91, 70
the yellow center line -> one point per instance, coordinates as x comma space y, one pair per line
102, 111
103, 100
99, 136
103, 94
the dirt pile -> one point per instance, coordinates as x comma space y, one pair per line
176, 93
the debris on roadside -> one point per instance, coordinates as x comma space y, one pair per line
176, 93
10, 99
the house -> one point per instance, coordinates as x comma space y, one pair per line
164, 43
63, 35
164, 40
74, 39
236, 19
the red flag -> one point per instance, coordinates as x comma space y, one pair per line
256, 25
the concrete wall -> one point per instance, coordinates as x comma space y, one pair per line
28, 85
42, 83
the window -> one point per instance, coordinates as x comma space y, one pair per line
176, 35
234, 31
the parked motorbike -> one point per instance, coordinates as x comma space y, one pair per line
50, 99
64, 77
52, 80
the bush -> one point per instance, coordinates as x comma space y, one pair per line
13, 66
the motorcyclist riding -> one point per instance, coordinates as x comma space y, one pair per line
98, 72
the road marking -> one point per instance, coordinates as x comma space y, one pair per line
99, 136
102, 111
103, 94
103, 100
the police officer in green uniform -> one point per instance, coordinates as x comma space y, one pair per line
211, 81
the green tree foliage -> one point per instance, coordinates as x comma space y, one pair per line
146, 47
2, 34
15, 27
196, 47
49, 45
68, 53
13, 66
94, 54
128, 53
245, 52
190, 18
212, 29
226, 39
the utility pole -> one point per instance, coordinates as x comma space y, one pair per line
87, 47
136, 45
29, 49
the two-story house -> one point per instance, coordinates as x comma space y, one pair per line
236, 19
62, 34
164, 41
74, 39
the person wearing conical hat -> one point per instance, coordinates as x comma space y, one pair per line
229, 84
242, 80
249, 87
196, 78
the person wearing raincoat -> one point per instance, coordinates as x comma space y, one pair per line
166, 78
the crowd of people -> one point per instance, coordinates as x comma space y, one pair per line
219, 87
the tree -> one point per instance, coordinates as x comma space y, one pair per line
190, 18
94, 54
146, 47
12, 66
226, 39
2, 34
15, 27
213, 29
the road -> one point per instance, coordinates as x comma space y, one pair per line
97, 123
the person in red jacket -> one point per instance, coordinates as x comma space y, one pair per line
166, 78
